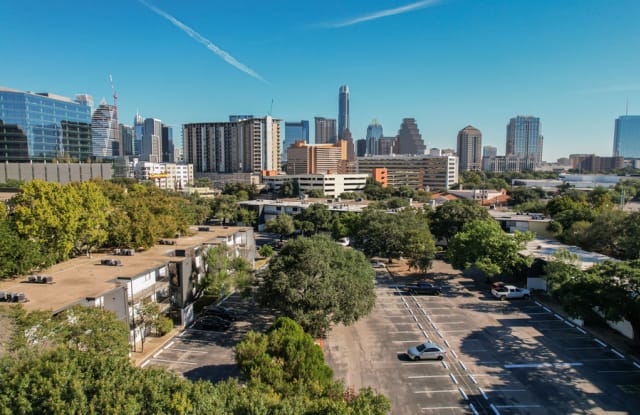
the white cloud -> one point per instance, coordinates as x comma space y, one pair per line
385, 13
206, 42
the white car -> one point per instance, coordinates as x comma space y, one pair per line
428, 350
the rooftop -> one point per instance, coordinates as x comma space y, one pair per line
85, 277
545, 248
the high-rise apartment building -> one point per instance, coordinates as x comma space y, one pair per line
294, 131
167, 144
246, 146
43, 127
343, 111
469, 149
409, 138
152, 141
103, 131
524, 139
626, 137
325, 131
489, 151
374, 133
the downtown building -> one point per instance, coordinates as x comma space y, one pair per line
626, 137
325, 130
469, 149
409, 139
416, 171
294, 131
246, 146
524, 139
374, 134
343, 111
509, 164
595, 164
104, 132
44, 127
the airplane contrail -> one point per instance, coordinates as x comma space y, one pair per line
385, 13
206, 42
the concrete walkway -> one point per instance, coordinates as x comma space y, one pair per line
152, 344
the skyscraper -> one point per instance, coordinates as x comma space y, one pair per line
167, 144
138, 130
103, 131
524, 139
152, 141
43, 126
361, 147
469, 149
127, 135
294, 131
374, 133
343, 111
626, 137
409, 138
325, 130
489, 151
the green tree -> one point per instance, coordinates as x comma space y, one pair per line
19, 255
203, 182
92, 222
290, 188
317, 282
314, 219
521, 194
449, 218
486, 246
265, 251
471, 179
224, 207
281, 225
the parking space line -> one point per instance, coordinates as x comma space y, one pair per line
636, 365
452, 322
437, 408
464, 395
190, 351
580, 330
419, 362
453, 378
517, 406
558, 316
473, 408
175, 361
495, 410
170, 344
405, 332
427, 376
547, 310
406, 341
447, 343
584, 348
617, 353
473, 379
600, 342
619, 371
505, 390
484, 395
144, 364
568, 323
455, 331
462, 364
441, 391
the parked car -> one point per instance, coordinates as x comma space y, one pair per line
423, 288
218, 311
428, 350
211, 323
510, 292
377, 264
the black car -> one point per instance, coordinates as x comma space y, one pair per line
222, 312
423, 288
211, 323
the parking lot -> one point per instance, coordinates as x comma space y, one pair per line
209, 355
503, 357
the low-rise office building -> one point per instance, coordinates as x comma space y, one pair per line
332, 185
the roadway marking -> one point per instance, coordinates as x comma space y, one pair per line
617, 353
453, 378
464, 395
619, 371
452, 322
427, 376
175, 361
190, 351
580, 330
437, 408
455, 331
405, 332
484, 395
547, 310
453, 352
441, 391
473, 408
584, 348
495, 410
540, 365
170, 344
407, 341
600, 342
447, 343
506, 390
444, 364
473, 379
419, 362
568, 324
636, 365
462, 364
144, 364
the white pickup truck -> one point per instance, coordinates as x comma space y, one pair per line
510, 291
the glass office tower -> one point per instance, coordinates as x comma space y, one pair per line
374, 134
524, 139
343, 111
43, 127
626, 137
294, 131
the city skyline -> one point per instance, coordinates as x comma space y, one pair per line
555, 64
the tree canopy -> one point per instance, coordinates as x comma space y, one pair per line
317, 282
484, 245
449, 218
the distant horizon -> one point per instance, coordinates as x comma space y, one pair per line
448, 63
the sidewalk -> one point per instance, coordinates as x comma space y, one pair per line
152, 344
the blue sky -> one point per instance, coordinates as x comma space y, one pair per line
448, 63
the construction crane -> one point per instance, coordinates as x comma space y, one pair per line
115, 110
271, 107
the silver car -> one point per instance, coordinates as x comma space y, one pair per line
428, 350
